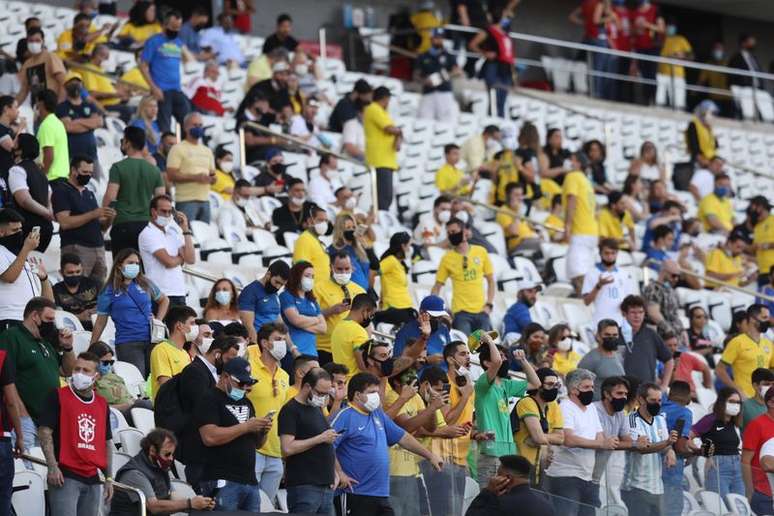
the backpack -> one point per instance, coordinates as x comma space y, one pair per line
168, 409
516, 422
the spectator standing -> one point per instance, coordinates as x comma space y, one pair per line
10, 421
493, 389
268, 396
307, 446
610, 410
80, 119
76, 293
242, 11
221, 41
168, 357
39, 354
149, 471
762, 379
31, 191
439, 337
675, 46
229, 470
349, 335
662, 302
569, 477
605, 285
756, 434
648, 30
132, 183
77, 441
745, 59
160, 66
495, 45
383, 140
348, 107
301, 365
10, 127
191, 168
397, 306
508, 489
81, 220
603, 360
467, 265
126, 299
308, 246
600, 25
300, 310
259, 303
354, 241
41, 71
289, 218
281, 36
579, 219
436, 67
746, 352
52, 137
675, 407
19, 281
517, 317
699, 138
763, 237
643, 346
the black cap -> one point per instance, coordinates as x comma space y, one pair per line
761, 200
239, 369
362, 86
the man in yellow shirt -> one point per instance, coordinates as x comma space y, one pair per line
725, 263
715, 210
101, 87
168, 357
308, 247
763, 236
268, 396
468, 266
613, 218
458, 412
77, 43
334, 293
747, 352
382, 142
675, 46
581, 228
449, 179
191, 168
519, 235
350, 334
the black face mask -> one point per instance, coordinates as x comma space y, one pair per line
763, 326
610, 343
455, 239
608, 264
349, 235
73, 90
83, 179
171, 34
13, 242
72, 281
754, 217
366, 321
653, 409
549, 394
269, 288
48, 331
278, 168
586, 397
461, 380
503, 371
386, 366
618, 404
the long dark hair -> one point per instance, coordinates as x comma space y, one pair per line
397, 241
116, 277
719, 410
137, 13
294, 280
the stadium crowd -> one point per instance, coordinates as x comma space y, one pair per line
325, 376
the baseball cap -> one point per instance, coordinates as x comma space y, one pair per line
474, 339
239, 369
529, 285
760, 200
362, 86
72, 74
434, 306
280, 66
272, 152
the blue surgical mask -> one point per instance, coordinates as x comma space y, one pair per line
236, 393
671, 30
722, 191
196, 132
505, 23
131, 270
104, 370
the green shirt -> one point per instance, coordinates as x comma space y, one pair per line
37, 367
751, 408
52, 133
113, 388
492, 413
136, 180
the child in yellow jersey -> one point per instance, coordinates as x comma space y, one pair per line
449, 179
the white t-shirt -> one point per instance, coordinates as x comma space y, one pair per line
607, 304
576, 462
704, 182
299, 128
353, 133
170, 281
17, 180
15, 296
428, 226
321, 190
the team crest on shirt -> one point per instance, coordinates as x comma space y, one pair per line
378, 423
477, 260
86, 431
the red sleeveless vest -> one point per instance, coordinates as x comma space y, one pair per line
82, 424
504, 44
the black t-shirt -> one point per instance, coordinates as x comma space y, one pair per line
277, 96
476, 12
441, 63
83, 299
7, 377
345, 110
6, 158
79, 144
722, 434
557, 160
315, 465
196, 380
49, 417
266, 179
287, 221
598, 173
65, 197
234, 461
272, 42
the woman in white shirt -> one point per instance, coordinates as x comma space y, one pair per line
647, 166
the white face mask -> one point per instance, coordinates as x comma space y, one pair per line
307, 284
764, 390
191, 334
463, 216
298, 201
223, 297
242, 349
204, 347
733, 409
240, 201
227, 166
81, 381
493, 146
351, 203
279, 349
321, 228
163, 221
444, 216
302, 69
35, 48
564, 345
463, 371
342, 278
372, 401
318, 401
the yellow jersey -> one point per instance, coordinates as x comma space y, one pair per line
721, 208
564, 365
764, 234
166, 360
403, 463
555, 224
467, 274
139, 34
612, 226
191, 160
583, 221
527, 408
449, 178
719, 261
395, 284
223, 182
380, 149
744, 355
346, 338
672, 46
329, 293
269, 393
97, 83
523, 231
135, 78
461, 445
308, 248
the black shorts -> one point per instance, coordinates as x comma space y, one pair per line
348, 504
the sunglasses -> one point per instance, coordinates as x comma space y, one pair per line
108, 362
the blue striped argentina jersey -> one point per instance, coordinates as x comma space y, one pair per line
644, 471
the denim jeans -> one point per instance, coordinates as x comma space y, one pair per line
495, 77
75, 498
385, 178
604, 88
673, 489
195, 210
174, 103
573, 496
643, 503
724, 475
136, 353
467, 322
311, 499
268, 471
445, 488
233, 496
760, 503
6, 475
404, 496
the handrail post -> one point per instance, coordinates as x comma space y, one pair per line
242, 151
374, 193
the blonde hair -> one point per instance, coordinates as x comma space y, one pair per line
339, 226
144, 102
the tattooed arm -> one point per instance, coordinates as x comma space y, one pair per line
46, 437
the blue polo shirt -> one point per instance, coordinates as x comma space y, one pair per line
435, 344
647, 238
363, 449
516, 318
130, 310
164, 56
305, 341
656, 254
674, 411
266, 307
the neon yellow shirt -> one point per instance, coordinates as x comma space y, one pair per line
380, 146
583, 220
744, 356
467, 276
270, 393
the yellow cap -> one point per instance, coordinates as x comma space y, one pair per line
474, 339
72, 74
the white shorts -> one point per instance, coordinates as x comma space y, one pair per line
440, 106
582, 255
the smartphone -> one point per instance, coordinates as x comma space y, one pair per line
446, 388
679, 426
36, 230
271, 413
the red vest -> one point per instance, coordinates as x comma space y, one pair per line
82, 424
504, 44
643, 38
621, 37
591, 29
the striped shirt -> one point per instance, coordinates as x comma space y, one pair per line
644, 471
